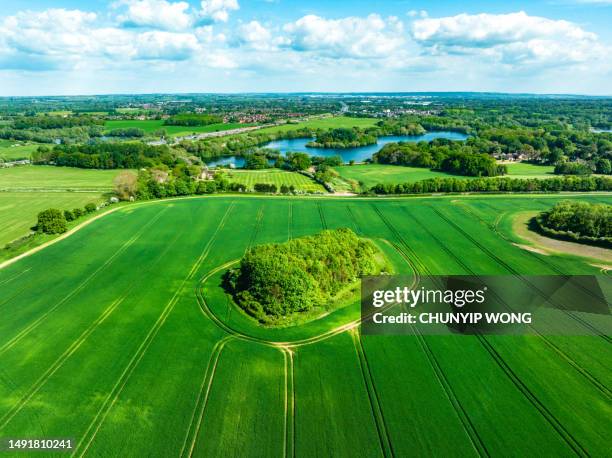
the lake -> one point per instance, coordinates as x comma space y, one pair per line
358, 154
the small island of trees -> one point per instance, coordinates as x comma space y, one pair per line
581, 222
276, 283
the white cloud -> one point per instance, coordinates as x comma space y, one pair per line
156, 14
510, 38
355, 37
166, 46
255, 36
218, 10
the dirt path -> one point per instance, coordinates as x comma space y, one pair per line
546, 245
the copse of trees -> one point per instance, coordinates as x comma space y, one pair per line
342, 138
54, 122
276, 281
440, 154
498, 184
572, 168
127, 155
130, 132
581, 222
192, 120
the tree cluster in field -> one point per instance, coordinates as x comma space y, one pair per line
54, 122
192, 120
499, 184
577, 222
275, 281
126, 155
54, 221
449, 156
129, 132
342, 138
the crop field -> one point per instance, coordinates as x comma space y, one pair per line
157, 361
273, 176
151, 125
331, 122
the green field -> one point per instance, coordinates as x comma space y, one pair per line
331, 122
121, 337
372, 174
11, 150
18, 210
50, 178
151, 125
27, 190
274, 176
525, 170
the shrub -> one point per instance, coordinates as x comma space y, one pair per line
51, 221
68, 215
90, 208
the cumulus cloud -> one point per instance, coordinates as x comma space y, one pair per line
156, 14
165, 46
354, 37
511, 38
218, 10
256, 36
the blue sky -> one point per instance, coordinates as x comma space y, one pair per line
143, 46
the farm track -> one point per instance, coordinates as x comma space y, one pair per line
512, 271
8, 280
386, 446
289, 423
322, 215
112, 397
193, 430
24, 332
356, 225
460, 411
290, 222
581, 370
58, 363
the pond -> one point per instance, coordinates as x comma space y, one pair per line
358, 154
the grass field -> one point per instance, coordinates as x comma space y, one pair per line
372, 174
331, 122
274, 176
27, 190
525, 170
155, 361
18, 210
50, 178
151, 125
10, 151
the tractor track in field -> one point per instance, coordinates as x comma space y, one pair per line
8, 280
468, 427
581, 370
512, 271
290, 222
121, 382
322, 216
24, 332
289, 423
356, 225
76, 344
197, 417
507, 369
386, 445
